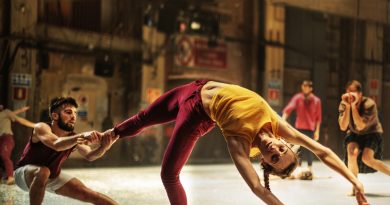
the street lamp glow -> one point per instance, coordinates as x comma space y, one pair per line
195, 25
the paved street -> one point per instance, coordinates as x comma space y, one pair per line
211, 185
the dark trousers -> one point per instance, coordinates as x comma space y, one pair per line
305, 153
6, 146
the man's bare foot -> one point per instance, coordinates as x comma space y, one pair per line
295, 174
306, 175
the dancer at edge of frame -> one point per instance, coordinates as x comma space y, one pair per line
358, 117
39, 168
7, 142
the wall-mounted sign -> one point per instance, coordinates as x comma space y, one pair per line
374, 89
19, 93
185, 53
21, 79
273, 93
196, 52
210, 57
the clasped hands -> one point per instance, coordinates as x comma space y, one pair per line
106, 138
350, 98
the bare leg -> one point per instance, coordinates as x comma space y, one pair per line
353, 152
368, 159
77, 190
36, 179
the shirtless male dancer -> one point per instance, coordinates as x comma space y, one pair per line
50, 144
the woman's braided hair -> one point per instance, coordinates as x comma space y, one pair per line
266, 178
268, 169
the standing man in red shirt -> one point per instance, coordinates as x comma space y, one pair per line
309, 116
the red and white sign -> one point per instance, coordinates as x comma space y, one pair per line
196, 52
19, 93
273, 96
374, 86
184, 54
374, 89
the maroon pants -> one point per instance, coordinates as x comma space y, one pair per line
183, 105
6, 146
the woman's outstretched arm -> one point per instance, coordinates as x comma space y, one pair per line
326, 155
239, 151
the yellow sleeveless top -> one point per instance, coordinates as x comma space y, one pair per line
242, 112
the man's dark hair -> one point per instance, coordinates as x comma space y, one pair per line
355, 84
57, 102
308, 83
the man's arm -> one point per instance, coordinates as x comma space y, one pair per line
344, 112
285, 116
357, 119
25, 122
289, 107
20, 120
43, 132
326, 155
317, 131
239, 151
360, 124
89, 154
20, 110
318, 121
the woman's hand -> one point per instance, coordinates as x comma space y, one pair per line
108, 140
359, 193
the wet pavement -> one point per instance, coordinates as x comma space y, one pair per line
211, 185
